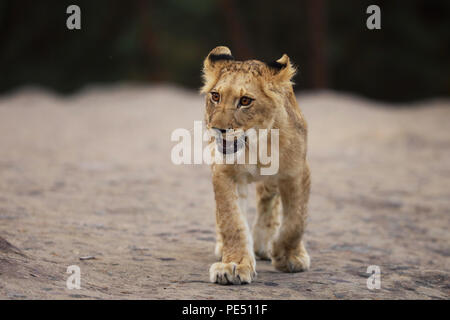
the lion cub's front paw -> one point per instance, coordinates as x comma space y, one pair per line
231, 273
292, 262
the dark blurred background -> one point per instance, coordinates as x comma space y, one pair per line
156, 41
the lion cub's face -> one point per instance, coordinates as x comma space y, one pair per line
242, 95
237, 99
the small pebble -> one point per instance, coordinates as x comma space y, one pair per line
87, 258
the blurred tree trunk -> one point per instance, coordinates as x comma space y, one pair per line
11, 17
316, 20
149, 41
236, 30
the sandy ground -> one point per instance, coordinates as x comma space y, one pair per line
91, 175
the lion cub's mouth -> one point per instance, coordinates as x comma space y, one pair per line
230, 146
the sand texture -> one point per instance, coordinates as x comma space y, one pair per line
90, 175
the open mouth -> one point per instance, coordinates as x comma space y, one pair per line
230, 146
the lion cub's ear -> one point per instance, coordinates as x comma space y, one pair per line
213, 64
283, 70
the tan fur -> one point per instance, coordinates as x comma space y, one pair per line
277, 233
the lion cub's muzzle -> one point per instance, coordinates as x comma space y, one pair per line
229, 141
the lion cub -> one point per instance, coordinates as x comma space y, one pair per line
243, 95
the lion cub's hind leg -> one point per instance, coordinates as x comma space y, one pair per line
267, 219
288, 252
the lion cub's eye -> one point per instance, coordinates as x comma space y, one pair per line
215, 96
245, 101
